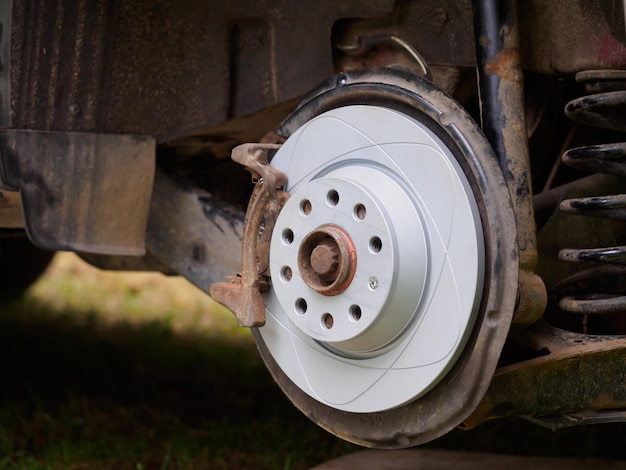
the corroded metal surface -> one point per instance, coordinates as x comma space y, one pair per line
578, 373
600, 108
327, 260
504, 124
243, 294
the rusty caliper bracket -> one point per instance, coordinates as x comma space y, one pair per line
242, 295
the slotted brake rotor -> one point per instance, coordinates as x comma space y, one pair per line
382, 321
380, 260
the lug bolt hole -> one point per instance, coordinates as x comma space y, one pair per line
327, 321
355, 312
305, 207
360, 212
301, 306
332, 198
286, 274
287, 236
376, 244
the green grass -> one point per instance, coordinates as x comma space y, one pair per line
120, 371
117, 371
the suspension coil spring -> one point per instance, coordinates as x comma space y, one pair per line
603, 107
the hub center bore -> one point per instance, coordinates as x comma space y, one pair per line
327, 260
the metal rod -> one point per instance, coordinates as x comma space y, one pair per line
501, 91
490, 19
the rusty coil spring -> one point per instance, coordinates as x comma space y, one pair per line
603, 108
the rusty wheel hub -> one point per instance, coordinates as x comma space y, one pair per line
327, 260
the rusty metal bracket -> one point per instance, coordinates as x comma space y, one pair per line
580, 379
242, 295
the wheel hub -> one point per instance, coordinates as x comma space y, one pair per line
327, 260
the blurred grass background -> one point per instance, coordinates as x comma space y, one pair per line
138, 371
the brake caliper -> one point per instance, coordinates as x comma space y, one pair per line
242, 295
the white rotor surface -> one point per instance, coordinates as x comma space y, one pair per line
401, 197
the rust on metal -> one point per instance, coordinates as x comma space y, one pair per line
242, 295
578, 376
506, 65
501, 83
532, 296
327, 260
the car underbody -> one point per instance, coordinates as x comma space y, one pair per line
433, 233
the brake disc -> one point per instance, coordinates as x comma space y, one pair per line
393, 262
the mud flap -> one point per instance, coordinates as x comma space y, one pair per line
81, 191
